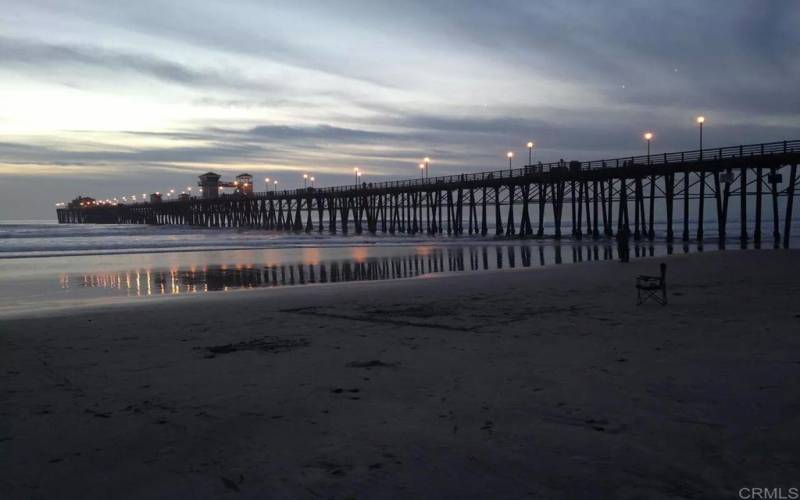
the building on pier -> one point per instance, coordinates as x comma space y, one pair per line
243, 184
209, 182
212, 185
82, 201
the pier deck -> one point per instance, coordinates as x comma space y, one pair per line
601, 198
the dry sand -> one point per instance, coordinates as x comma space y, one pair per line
540, 383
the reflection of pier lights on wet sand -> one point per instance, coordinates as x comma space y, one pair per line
360, 266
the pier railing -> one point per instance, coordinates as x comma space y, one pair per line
663, 159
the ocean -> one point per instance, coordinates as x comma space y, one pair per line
45, 265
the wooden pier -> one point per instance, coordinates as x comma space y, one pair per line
590, 199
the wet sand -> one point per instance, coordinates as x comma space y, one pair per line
37, 284
542, 383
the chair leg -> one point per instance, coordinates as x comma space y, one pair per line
661, 297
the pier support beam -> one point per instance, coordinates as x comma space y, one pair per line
743, 205
701, 201
498, 221
542, 205
484, 225
776, 233
510, 225
789, 204
686, 205
757, 230
669, 196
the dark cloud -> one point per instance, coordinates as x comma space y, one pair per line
322, 133
737, 55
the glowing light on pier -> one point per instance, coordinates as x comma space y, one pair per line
700, 121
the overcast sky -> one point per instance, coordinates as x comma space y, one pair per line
111, 98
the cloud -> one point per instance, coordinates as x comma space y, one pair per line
287, 34
317, 133
39, 56
379, 84
258, 144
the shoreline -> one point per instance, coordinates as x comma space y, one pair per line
79, 305
548, 241
257, 293
541, 382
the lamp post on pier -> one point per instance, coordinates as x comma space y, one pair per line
530, 152
427, 160
312, 182
422, 171
700, 121
356, 174
510, 155
648, 136
266, 183
305, 180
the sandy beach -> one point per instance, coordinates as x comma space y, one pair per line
537, 383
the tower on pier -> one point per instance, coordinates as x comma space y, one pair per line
210, 184
244, 184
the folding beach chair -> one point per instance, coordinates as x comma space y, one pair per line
652, 287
